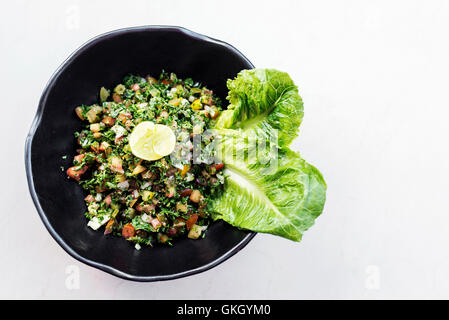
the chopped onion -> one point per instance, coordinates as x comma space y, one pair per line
145, 185
119, 131
178, 165
123, 185
146, 218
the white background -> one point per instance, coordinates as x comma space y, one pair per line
374, 77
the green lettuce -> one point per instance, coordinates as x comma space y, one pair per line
268, 187
263, 100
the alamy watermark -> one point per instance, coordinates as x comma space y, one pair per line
372, 280
72, 280
72, 20
227, 146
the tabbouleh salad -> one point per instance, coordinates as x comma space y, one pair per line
147, 201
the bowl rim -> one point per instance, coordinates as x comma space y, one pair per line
36, 123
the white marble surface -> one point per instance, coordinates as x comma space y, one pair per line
374, 78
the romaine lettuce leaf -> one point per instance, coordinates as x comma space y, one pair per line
268, 189
264, 99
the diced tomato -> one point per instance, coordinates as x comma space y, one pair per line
107, 107
218, 166
123, 117
166, 81
76, 174
207, 100
128, 231
103, 146
117, 98
95, 147
171, 192
109, 121
83, 169
155, 223
89, 198
108, 200
148, 208
101, 188
116, 165
164, 114
78, 158
191, 221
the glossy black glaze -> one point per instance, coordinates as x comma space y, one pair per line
104, 61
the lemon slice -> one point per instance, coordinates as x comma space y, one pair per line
164, 140
151, 142
140, 141
141, 130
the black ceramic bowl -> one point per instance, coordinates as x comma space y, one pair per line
104, 61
